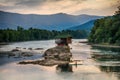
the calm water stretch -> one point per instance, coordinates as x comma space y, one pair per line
87, 69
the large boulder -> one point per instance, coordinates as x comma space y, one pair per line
60, 53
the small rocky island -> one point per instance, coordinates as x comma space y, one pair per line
59, 55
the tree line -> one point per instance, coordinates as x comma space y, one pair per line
21, 34
106, 30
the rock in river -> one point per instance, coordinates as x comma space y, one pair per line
53, 56
58, 53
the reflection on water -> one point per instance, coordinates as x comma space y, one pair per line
87, 69
64, 68
108, 49
28, 44
109, 59
110, 68
36, 72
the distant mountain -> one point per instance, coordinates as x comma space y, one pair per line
58, 21
86, 26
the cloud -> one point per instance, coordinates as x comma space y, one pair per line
45, 6
99, 7
10, 4
30, 3
55, 6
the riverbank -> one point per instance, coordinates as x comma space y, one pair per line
4, 43
101, 45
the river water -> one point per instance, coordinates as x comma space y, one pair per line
87, 69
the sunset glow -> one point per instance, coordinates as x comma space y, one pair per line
75, 7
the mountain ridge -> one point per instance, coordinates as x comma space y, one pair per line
59, 21
85, 26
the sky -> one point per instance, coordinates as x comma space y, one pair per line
73, 7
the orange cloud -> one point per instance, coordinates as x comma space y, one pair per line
65, 6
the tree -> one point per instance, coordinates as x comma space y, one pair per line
117, 12
106, 30
9, 35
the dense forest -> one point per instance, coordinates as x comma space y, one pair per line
106, 30
21, 34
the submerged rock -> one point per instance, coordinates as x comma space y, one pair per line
38, 49
16, 53
29, 48
44, 62
14, 50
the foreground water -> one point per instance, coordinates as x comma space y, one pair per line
87, 69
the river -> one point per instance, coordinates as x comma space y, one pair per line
87, 69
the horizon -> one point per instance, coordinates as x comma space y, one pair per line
48, 14
50, 7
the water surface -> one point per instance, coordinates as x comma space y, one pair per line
87, 69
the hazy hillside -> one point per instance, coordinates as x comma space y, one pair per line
58, 21
86, 26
